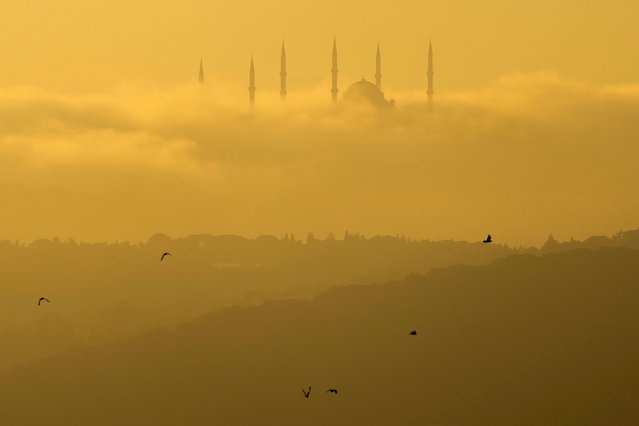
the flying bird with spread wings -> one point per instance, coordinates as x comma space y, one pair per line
307, 393
332, 390
43, 299
166, 253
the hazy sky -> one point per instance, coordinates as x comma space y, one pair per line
74, 45
105, 134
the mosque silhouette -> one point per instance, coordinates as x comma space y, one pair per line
362, 92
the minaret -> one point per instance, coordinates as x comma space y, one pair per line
334, 89
201, 72
430, 92
283, 73
252, 83
378, 69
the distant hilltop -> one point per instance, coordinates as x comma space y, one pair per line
528, 341
362, 92
626, 239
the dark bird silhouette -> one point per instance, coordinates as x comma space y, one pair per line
332, 391
164, 255
307, 393
43, 299
488, 239
413, 333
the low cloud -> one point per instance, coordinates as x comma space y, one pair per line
525, 156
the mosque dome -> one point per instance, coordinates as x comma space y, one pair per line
366, 93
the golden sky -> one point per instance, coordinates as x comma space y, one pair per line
75, 45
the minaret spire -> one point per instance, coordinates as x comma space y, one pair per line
252, 83
283, 73
201, 72
378, 69
430, 92
334, 89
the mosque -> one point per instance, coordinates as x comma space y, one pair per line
361, 92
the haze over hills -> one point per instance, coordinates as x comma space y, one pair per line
102, 292
449, 138
525, 340
105, 292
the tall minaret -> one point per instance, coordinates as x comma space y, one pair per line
283, 73
201, 72
378, 69
334, 89
430, 92
252, 83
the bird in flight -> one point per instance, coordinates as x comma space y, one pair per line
413, 333
488, 239
43, 299
332, 390
307, 393
166, 253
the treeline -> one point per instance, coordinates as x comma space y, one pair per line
628, 239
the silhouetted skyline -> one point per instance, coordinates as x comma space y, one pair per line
283, 72
378, 69
431, 74
334, 76
158, 44
334, 71
251, 87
